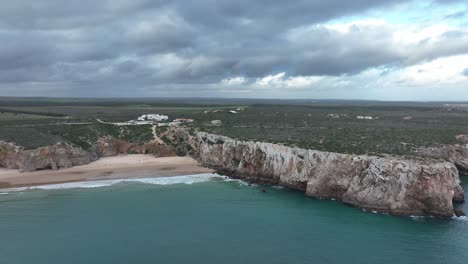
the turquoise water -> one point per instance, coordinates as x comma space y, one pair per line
213, 222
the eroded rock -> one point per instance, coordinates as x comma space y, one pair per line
60, 155
109, 147
384, 184
459, 213
63, 155
458, 154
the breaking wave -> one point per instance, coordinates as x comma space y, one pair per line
460, 218
241, 182
186, 179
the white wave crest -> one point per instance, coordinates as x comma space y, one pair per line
460, 218
241, 182
185, 179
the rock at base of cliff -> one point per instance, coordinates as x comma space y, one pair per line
459, 213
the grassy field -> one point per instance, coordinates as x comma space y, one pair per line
6, 116
396, 127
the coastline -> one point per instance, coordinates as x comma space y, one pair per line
109, 168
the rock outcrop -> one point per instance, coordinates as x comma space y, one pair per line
60, 155
458, 154
463, 138
108, 147
63, 155
383, 184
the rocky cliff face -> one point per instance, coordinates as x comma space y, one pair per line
390, 185
56, 156
63, 155
458, 154
108, 147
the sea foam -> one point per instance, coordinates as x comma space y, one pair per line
460, 218
185, 179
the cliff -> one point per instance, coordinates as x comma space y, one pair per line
383, 184
108, 147
458, 154
63, 155
56, 156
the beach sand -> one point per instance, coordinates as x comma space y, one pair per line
119, 167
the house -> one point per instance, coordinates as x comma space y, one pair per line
366, 117
153, 117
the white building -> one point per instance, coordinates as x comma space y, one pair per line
366, 117
153, 117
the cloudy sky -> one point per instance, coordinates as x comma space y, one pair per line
360, 49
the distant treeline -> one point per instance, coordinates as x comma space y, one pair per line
3, 110
213, 102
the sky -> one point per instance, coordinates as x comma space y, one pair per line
304, 49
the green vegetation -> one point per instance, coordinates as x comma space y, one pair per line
400, 127
311, 127
30, 113
83, 135
5, 116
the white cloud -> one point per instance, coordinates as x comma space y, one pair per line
233, 81
347, 27
383, 42
442, 78
270, 81
302, 81
281, 81
442, 71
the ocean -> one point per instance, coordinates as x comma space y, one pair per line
205, 219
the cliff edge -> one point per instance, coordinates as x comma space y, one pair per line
458, 154
383, 184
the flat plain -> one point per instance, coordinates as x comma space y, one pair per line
358, 127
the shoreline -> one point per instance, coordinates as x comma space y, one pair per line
131, 166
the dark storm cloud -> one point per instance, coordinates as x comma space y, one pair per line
58, 14
116, 45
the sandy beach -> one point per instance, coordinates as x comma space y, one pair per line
119, 167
